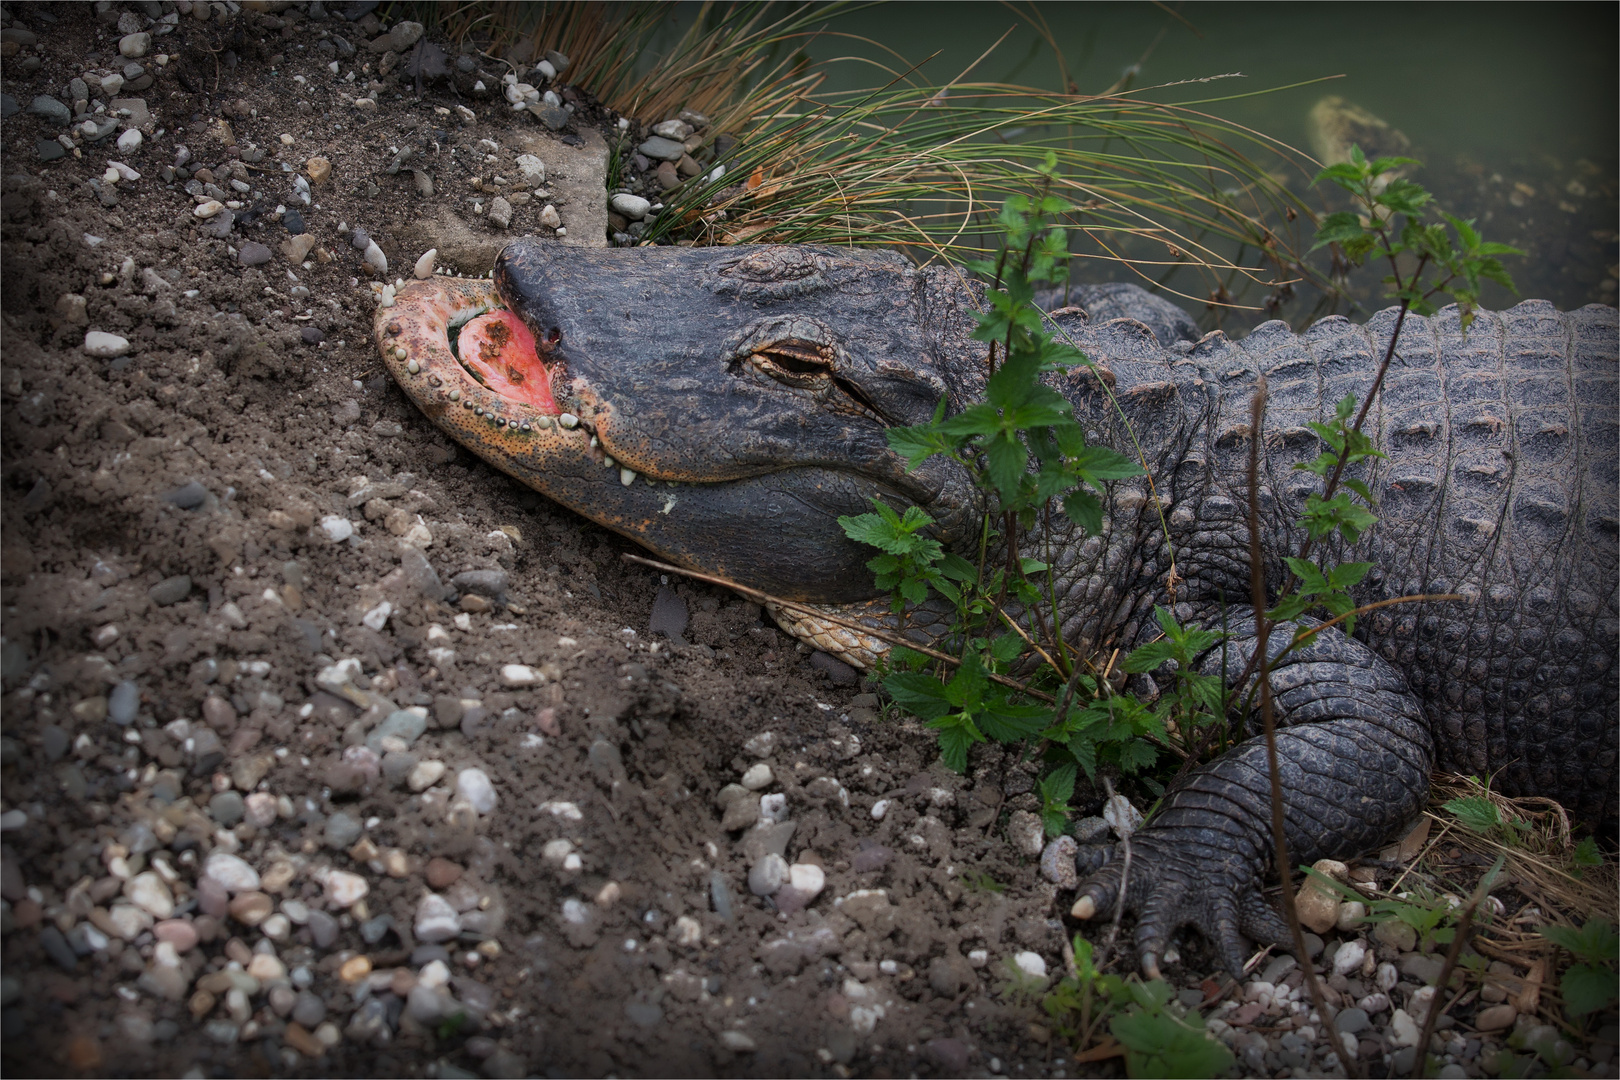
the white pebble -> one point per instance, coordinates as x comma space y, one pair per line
532, 170
549, 217
345, 889
148, 891
425, 775
208, 209
880, 808
574, 911
807, 879
337, 529
518, 675
12, 820
436, 920
773, 808
1349, 957
377, 617
231, 871
104, 345
758, 776
130, 141
566, 810
1031, 964
474, 786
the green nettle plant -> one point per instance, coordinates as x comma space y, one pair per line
1025, 450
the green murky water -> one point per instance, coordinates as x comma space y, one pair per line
1512, 107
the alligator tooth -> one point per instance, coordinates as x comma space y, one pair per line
400, 354
544, 421
413, 367
568, 420
455, 395
607, 461
627, 477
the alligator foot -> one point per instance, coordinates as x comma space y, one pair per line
1176, 881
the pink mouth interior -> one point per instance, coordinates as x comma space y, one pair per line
499, 349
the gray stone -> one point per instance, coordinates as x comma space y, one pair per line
123, 703
500, 212
1352, 1021
188, 496
404, 725
58, 949
49, 149
51, 111
553, 116
170, 590
662, 149
8, 107
323, 928
227, 808
341, 831
490, 583
311, 335
220, 225
644, 1014
309, 1010
633, 207
253, 253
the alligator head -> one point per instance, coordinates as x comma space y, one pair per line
720, 406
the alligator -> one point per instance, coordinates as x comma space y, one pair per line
724, 406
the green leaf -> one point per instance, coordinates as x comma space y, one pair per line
1475, 812
1005, 459
1586, 989
918, 693
1007, 648
1339, 228
953, 748
1084, 510
1596, 942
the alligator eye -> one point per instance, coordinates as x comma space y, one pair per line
797, 363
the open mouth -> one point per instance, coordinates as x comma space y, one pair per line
499, 351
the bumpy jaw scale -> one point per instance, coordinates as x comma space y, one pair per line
413, 337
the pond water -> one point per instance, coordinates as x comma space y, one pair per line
1512, 107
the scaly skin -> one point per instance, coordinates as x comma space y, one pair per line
1500, 484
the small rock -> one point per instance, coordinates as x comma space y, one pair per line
49, 109
1352, 1021
474, 786
1496, 1017
436, 920
253, 253
1349, 957
344, 889
227, 808
130, 141
170, 590
677, 130
767, 875
149, 892
500, 212
318, 168
311, 335
123, 703
425, 775
1057, 862
662, 149
337, 529
134, 45
1031, 964
341, 831
1026, 832
296, 250
633, 207
1403, 1030
251, 908
105, 346
549, 217
231, 872
758, 776
532, 170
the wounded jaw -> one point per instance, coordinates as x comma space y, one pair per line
498, 350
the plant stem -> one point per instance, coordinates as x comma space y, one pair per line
1262, 627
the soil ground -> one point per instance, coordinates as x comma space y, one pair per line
169, 562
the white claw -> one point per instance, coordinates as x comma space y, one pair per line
1084, 908
627, 477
